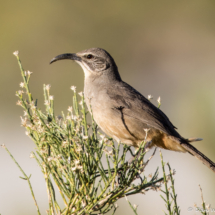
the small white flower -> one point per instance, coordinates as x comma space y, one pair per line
16, 53
109, 153
150, 97
27, 133
65, 144
22, 84
135, 206
105, 139
23, 121
78, 149
70, 109
46, 102
85, 137
19, 103
76, 162
159, 100
32, 103
20, 92
102, 136
75, 118
146, 131
29, 73
208, 206
68, 117
150, 176
50, 159
31, 155
73, 88
3, 146
83, 203
33, 107
48, 86
77, 129
81, 94
81, 103
51, 97
41, 129
25, 113
30, 126
73, 168
79, 167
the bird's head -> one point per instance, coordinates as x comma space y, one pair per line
94, 62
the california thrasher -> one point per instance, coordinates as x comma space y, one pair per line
121, 111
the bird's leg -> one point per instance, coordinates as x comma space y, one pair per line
135, 157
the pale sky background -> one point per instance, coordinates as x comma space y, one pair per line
163, 48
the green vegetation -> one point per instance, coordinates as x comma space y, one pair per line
88, 169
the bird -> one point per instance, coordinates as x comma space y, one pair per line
122, 112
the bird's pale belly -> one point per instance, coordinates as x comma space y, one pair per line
117, 129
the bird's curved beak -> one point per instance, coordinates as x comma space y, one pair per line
66, 56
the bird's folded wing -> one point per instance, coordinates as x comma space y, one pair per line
136, 106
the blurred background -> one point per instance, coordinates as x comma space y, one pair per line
163, 48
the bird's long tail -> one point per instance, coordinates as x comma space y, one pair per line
195, 152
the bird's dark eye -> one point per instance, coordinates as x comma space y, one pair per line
89, 56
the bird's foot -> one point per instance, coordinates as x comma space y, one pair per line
136, 156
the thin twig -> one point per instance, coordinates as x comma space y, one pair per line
25, 178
